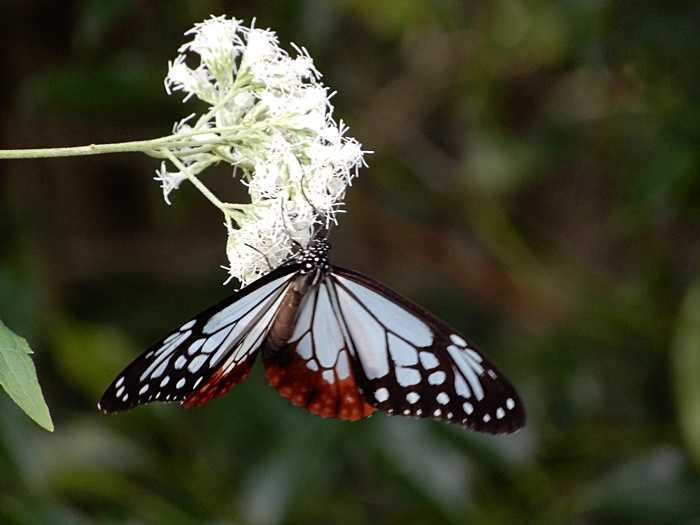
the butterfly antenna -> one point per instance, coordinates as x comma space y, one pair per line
267, 261
288, 230
322, 229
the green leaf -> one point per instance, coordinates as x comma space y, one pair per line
18, 377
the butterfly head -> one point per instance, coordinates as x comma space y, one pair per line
315, 256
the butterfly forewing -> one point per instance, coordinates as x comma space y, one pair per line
207, 355
411, 363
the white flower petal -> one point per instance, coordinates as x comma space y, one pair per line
271, 116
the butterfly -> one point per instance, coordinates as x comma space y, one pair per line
333, 341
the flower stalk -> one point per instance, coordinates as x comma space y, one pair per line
268, 116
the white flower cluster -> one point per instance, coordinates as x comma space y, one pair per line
271, 118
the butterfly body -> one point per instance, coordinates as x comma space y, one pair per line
332, 341
313, 265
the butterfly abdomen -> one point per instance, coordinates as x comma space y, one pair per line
286, 319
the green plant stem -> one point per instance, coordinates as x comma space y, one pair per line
194, 180
151, 147
140, 146
160, 148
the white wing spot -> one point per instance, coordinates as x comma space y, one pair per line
461, 386
428, 360
196, 383
342, 367
328, 376
311, 365
471, 353
195, 346
407, 376
413, 397
165, 381
304, 348
437, 378
304, 320
510, 404
381, 394
196, 363
215, 340
188, 325
326, 331
120, 382
437, 412
143, 390
419, 411
180, 362
120, 391
181, 383
487, 418
492, 374
459, 341
443, 398
468, 408
500, 413
160, 369
449, 415
406, 411
402, 353
125, 398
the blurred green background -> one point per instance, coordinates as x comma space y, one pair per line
536, 183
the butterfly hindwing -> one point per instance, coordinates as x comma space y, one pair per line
207, 355
411, 363
314, 369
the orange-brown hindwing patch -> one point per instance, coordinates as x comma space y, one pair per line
327, 393
220, 383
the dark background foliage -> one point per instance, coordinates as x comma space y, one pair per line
535, 183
